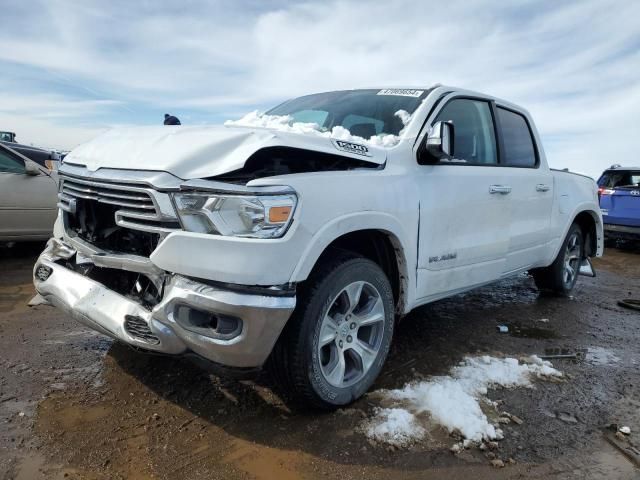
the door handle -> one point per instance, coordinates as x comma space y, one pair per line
502, 189
541, 187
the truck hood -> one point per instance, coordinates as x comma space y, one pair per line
200, 152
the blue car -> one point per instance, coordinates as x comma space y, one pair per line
619, 192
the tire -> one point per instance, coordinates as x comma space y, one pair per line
328, 330
560, 277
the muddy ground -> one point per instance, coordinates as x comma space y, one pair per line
75, 405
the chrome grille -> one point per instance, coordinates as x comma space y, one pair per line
142, 208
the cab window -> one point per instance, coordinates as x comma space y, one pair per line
474, 132
519, 150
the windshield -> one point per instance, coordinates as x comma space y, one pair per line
365, 113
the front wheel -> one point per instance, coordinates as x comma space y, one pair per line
561, 276
337, 340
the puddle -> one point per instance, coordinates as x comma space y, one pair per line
601, 356
608, 463
531, 332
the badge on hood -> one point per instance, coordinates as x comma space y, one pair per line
352, 148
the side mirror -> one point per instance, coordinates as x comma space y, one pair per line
31, 168
439, 143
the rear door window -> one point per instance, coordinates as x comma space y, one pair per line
519, 149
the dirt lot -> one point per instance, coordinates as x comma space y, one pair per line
75, 405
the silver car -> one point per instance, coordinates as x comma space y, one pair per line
28, 197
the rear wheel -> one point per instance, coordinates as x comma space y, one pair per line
561, 276
337, 340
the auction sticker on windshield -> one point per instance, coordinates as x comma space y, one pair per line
402, 92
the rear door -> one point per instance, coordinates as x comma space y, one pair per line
27, 202
531, 191
619, 192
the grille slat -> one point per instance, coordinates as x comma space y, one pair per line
124, 196
140, 207
97, 193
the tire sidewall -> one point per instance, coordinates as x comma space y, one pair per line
351, 271
563, 253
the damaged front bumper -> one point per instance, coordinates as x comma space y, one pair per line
226, 327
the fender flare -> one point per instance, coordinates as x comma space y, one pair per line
587, 207
405, 248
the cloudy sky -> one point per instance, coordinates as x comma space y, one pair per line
72, 69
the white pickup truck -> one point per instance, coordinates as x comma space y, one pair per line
295, 239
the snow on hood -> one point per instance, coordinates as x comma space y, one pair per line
198, 152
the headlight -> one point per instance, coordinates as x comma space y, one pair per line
257, 216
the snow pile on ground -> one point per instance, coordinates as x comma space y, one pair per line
453, 401
285, 123
395, 426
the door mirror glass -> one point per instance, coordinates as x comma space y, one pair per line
440, 141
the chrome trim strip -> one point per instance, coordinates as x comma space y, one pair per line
221, 187
120, 221
150, 178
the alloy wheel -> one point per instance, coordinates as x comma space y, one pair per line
572, 259
351, 334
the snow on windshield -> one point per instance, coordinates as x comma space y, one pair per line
286, 123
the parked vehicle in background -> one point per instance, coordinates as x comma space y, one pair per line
28, 195
296, 238
7, 137
45, 158
619, 191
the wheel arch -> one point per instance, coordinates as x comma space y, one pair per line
588, 220
377, 237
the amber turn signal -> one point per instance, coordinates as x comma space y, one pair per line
279, 214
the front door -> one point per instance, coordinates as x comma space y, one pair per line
464, 206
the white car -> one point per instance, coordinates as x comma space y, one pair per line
297, 238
